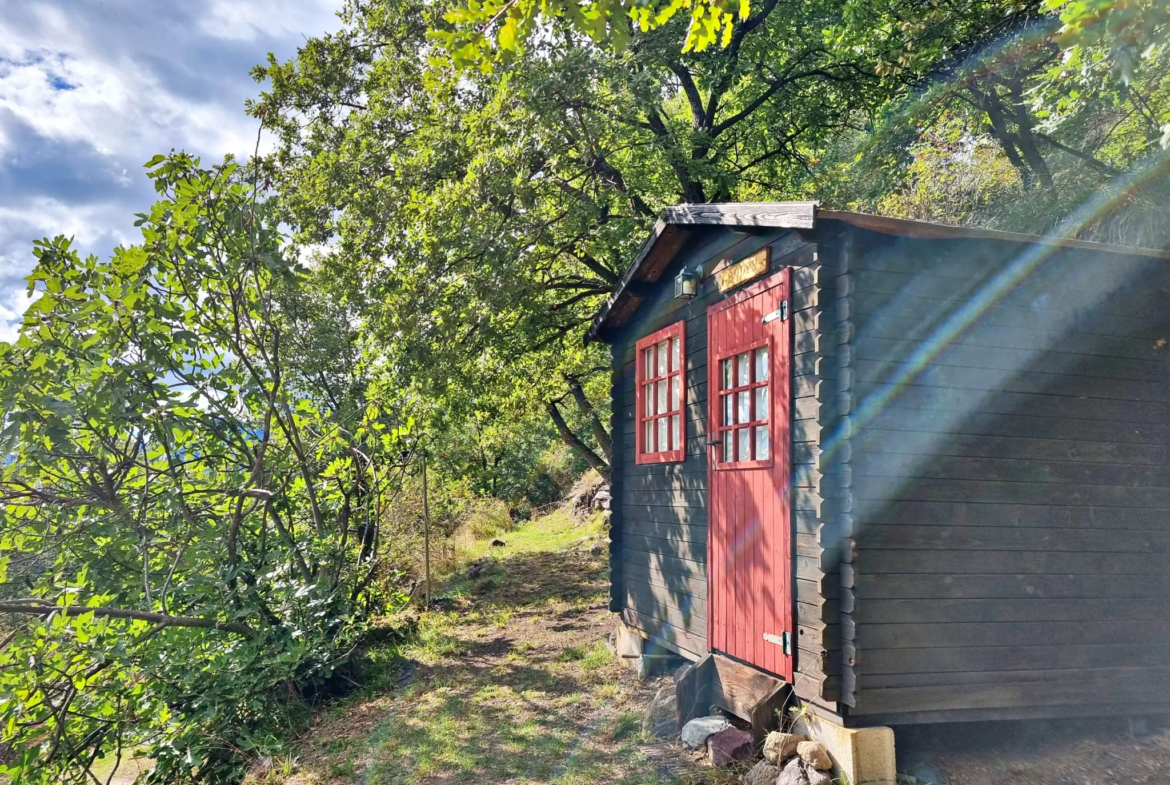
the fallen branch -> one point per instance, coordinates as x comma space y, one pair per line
121, 613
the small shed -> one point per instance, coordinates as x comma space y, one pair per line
917, 473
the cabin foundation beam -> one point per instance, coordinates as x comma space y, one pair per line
720, 683
643, 656
861, 756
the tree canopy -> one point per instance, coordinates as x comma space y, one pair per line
211, 438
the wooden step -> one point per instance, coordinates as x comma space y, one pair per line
719, 682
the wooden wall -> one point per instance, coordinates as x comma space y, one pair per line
659, 522
1007, 520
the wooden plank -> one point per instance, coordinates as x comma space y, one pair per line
902, 227
664, 563
879, 443
1031, 609
678, 548
1006, 658
1076, 711
946, 587
898, 680
1082, 691
1071, 634
910, 537
1108, 298
883, 489
695, 517
693, 691
944, 422
678, 597
679, 618
966, 513
877, 367
674, 532
990, 400
1017, 563
682, 585
1121, 341
666, 634
788, 215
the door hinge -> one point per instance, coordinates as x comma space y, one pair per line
780, 313
783, 640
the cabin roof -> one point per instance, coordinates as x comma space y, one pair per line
678, 222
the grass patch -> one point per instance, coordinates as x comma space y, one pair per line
597, 658
553, 532
513, 685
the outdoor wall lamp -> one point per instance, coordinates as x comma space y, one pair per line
686, 285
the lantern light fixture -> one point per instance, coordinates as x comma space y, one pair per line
686, 285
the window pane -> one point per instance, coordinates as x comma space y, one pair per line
662, 359
728, 446
762, 446
675, 437
762, 403
744, 376
648, 395
745, 406
674, 393
728, 410
662, 397
648, 438
648, 364
674, 358
727, 385
745, 443
762, 364
662, 442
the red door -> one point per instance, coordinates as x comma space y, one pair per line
749, 543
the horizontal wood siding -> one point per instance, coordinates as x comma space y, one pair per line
1009, 489
659, 523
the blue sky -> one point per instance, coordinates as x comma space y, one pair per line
91, 89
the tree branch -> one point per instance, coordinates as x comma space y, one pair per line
37, 609
571, 439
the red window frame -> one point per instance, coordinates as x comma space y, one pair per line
648, 379
728, 392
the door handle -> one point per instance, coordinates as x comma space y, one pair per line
711, 445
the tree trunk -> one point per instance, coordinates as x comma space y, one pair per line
570, 438
595, 424
990, 104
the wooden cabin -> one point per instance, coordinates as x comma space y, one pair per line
919, 473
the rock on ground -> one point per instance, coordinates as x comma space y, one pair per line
818, 777
815, 755
667, 729
779, 747
728, 746
763, 773
696, 732
663, 707
792, 773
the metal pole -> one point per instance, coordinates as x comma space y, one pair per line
426, 526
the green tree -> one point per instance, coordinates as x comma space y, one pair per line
479, 219
1080, 118
192, 480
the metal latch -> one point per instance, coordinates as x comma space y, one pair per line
784, 640
780, 313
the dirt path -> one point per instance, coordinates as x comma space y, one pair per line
513, 685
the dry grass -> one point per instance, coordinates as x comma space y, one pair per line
514, 685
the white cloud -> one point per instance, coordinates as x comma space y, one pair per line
89, 91
247, 20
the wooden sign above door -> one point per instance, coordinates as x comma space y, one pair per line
744, 270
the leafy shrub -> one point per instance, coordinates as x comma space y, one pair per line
487, 518
191, 475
